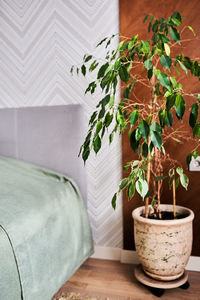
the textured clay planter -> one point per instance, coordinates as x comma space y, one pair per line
163, 247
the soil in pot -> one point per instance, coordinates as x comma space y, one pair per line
165, 215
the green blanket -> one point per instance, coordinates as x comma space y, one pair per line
45, 233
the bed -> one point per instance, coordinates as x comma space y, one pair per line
44, 227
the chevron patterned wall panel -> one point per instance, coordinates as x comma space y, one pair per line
39, 41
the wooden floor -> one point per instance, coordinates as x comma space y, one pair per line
112, 280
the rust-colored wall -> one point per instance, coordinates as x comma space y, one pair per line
132, 13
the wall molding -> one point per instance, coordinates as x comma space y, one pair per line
130, 257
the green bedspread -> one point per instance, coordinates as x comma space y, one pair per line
44, 231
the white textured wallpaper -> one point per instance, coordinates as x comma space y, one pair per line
39, 41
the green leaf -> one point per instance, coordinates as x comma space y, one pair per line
105, 80
191, 29
123, 47
157, 89
156, 127
120, 118
165, 117
148, 120
188, 159
179, 106
166, 61
123, 183
182, 66
170, 101
171, 172
123, 74
131, 190
133, 118
155, 26
114, 198
88, 58
153, 202
72, 69
196, 130
135, 163
103, 131
85, 153
117, 65
172, 178
138, 136
93, 66
176, 18
177, 182
101, 42
120, 45
158, 178
87, 140
143, 129
163, 150
112, 101
97, 143
194, 114
142, 187
174, 82
145, 46
169, 119
111, 137
184, 181
91, 87
102, 70
127, 91
188, 63
105, 100
98, 127
156, 139
195, 154
146, 17
150, 23
179, 171
145, 150
167, 94
108, 119
133, 142
131, 44
93, 117
83, 70
163, 79
150, 73
164, 39
196, 68
101, 113
148, 64
174, 34
167, 49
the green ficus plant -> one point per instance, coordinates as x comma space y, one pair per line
149, 124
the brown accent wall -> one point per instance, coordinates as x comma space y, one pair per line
132, 13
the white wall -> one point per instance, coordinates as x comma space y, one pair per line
39, 41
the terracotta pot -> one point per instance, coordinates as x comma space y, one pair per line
163, 246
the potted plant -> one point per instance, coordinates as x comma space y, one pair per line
163, 233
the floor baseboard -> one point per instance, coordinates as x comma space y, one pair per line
130, 257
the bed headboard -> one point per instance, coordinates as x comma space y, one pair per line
48, 136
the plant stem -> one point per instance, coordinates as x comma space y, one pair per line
174, 194
159, 182
148, 182
149, 156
